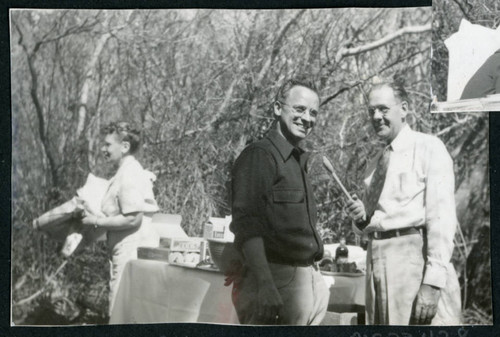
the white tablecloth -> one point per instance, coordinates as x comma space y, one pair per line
156, 292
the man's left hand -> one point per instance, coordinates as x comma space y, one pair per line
425, 304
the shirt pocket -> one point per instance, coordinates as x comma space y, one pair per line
408, 186
289, 210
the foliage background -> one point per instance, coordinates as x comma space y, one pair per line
200, 84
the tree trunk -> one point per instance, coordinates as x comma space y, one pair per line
84, 94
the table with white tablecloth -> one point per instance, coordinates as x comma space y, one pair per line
158, 292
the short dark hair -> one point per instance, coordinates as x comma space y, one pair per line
397, 87
302, 81
126, 132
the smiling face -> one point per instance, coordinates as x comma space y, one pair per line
297, 113
387, 113
114, 149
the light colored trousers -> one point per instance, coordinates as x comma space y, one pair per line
395, 269
126, 251
303, 291
121, 255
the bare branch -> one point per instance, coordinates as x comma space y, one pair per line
368, 22
463, 10
357, 83
30, 57
344, 52
39, 292
84, 27
82, 110
276, 47
453, 126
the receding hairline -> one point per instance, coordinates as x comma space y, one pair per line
296, 81
388, 85
287, 93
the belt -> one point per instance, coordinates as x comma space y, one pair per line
395, 233
306, 263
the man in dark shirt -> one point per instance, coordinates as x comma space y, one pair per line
486, 80
274, 219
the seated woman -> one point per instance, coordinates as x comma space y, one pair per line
128, 203
486, 80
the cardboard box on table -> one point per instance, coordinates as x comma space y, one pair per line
220, 243
171, 248
174, 243
217, 229
153, 253
189, 244
166, 225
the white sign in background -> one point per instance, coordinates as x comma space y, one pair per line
468, 49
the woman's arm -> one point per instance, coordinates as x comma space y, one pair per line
114, 223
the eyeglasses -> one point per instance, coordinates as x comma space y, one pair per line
300, 110
382, 108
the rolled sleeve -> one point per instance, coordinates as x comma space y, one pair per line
134, 191
441, 220
130, 198
252, 179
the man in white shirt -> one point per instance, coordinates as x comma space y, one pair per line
408, 215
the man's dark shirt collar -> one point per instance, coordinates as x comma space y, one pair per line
284, 147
